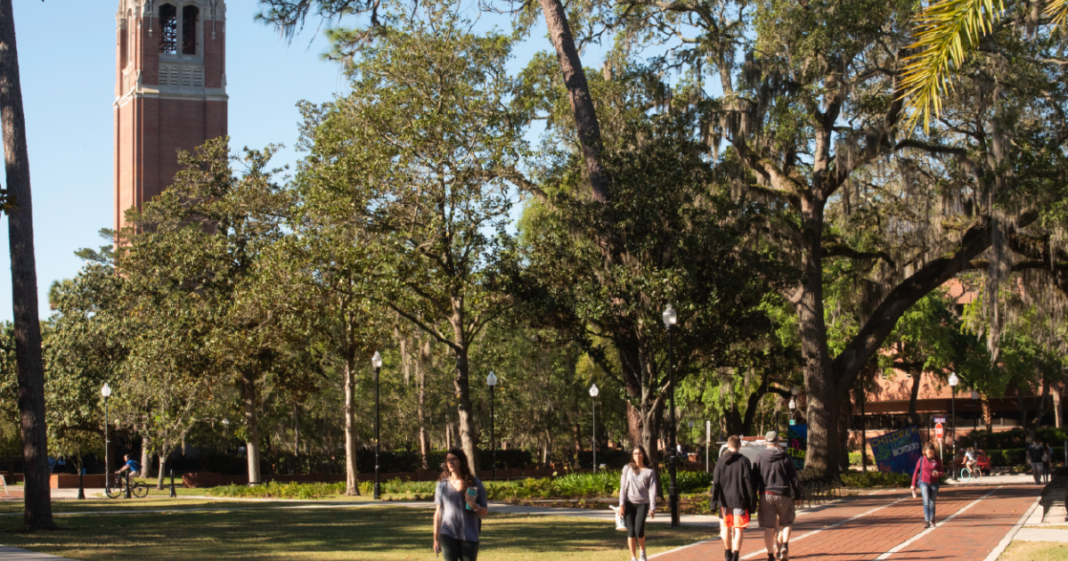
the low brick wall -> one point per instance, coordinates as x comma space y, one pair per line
70, 481
11, 478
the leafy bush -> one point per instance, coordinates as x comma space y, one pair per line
867, 480
576, 485
854, 459
1014, 438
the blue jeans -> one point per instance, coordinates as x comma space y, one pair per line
930, 493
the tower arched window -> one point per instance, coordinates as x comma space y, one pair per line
168, 23
190, 20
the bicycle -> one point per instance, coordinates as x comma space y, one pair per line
137, 488
966, 473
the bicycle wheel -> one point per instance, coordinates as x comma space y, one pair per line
113, 492
140, 490
965, 474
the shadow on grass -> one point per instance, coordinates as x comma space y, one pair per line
368, 533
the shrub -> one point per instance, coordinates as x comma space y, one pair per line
854, 459
867, 480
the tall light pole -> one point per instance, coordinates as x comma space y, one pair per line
376, 362
491, 381
953, 381
593, 434
670, 318
106, 392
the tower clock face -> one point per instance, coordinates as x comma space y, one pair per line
170, 92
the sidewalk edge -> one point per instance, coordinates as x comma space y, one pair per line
1004, 543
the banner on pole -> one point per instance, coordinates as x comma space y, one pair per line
898, 451
797, 445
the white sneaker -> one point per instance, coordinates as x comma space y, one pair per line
633, 559
643, 557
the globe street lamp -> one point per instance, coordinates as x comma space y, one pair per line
670, 318
491, 381
953, 381
106, 392
593, 438
376, 362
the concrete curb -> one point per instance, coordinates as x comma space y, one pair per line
1004, 543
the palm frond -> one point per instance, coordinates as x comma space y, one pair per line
946, 32
1058, 10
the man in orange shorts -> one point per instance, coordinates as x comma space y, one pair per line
733, 497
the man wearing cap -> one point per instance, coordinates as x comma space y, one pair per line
778, 488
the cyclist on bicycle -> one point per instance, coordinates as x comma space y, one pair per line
970, 459
131, 465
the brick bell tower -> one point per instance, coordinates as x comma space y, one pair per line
170, 91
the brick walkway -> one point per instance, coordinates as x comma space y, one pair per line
881, 525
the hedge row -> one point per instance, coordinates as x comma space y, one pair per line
576, 485
1014, 438
389, 462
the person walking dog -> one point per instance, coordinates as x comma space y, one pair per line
779, 489
637, 498
461, 505
927, 472
733, 496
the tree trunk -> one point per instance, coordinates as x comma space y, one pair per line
420, 409
468, 436
250, 401
988, 414
146, 454
352, 484
915, 417
296, 430
653, 414
578, 91
28, 363
635, 425
164, 453
823, 394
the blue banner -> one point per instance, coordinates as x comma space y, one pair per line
797, 445
898, 451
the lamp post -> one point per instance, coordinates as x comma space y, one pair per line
106, 392
670, 318
376, 362
953, 381
491, 381
593, 434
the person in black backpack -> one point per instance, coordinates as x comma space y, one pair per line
733, 496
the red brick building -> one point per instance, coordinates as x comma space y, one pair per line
170, 91
887, 403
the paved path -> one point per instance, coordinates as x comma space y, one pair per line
973, 524
16, 554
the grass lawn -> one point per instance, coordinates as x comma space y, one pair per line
377, 533
1035, 551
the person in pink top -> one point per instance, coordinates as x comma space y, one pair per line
927, 472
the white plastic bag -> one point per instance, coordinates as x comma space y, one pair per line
620, 524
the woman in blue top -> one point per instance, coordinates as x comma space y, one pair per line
462, 505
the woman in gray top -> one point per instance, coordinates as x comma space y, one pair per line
637, 497
462, 505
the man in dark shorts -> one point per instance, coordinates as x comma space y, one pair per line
779, 489
733, 496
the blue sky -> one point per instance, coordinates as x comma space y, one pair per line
67, 60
